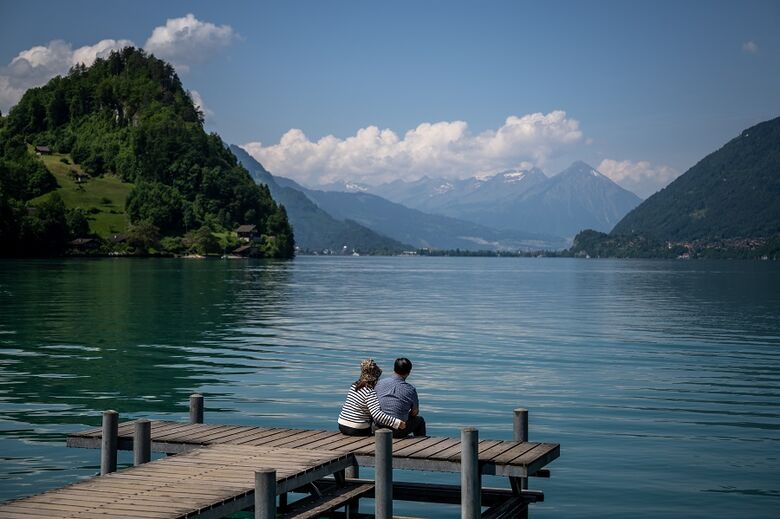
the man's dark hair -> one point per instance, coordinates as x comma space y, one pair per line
402, 366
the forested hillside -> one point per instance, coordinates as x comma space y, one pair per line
126, 116
731, 193
316, 230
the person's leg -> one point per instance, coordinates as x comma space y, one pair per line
401, 433
350, 431
416, 425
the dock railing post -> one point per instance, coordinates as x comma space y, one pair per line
196, 408
520, 434
142, 442
470, 477
353, 472
265, 494
383, 484
108, 443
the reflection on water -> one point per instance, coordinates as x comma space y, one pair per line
659, 379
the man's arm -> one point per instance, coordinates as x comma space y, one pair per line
415, 404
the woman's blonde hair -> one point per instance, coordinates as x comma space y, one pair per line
369, 375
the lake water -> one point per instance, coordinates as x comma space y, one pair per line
660, 379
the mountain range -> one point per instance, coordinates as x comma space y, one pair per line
385, 219
523, 200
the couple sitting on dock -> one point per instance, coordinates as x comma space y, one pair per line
391, 403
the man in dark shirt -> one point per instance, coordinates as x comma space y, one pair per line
398, 398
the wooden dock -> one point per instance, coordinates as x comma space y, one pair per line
215, 470
209, 482
496, 457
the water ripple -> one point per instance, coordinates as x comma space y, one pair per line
648, 373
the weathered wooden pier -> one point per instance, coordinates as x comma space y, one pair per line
216, 470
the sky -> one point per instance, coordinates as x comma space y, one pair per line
372, 92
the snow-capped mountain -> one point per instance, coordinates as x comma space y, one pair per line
449, 197
344, 186
578, 198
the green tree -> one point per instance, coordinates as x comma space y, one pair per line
143, 236
77, 223
201, 241
44, 231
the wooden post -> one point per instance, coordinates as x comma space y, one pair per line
470, 477
142, 442
383, 460
196, 408
520, 434
520, 429
108, 444
265, 494
353, 472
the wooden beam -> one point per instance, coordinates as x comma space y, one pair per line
439, 493
510, 508
335, 497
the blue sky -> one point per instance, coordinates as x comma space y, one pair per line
373, 91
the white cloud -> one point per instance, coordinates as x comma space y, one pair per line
750, 47
89, 53
199, 104
182, 41
445, 148
35, 66
187, 40
641, 177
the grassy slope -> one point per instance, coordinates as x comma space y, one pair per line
105, 218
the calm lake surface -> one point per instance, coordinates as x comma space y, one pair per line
660, 379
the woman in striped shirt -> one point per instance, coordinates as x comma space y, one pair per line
362, 405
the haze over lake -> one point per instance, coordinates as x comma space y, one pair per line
660, 379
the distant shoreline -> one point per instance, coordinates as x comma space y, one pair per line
352, 257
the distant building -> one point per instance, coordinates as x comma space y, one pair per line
84, 244
79, 177
244, 250
43, 150
247, 232
118, 238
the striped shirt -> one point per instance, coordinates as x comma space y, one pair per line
361, 407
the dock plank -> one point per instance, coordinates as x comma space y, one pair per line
286, 437
301, 441
256, 433
507, 456
274, 435
435, 449
417, 447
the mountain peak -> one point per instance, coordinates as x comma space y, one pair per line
581, 168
